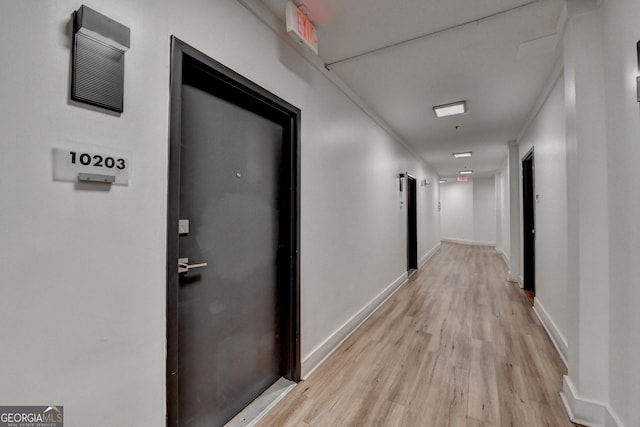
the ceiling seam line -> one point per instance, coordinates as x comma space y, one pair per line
476, 21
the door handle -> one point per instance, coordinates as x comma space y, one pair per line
184, 266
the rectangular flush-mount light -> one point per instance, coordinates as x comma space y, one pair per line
460, 155
450, 109
638, 77
465, 172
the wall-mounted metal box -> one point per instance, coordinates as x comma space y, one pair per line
99, 44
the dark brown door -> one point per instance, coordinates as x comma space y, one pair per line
412, 224
528, 222
232, 316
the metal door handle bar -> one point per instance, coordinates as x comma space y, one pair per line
184, 266
190, 266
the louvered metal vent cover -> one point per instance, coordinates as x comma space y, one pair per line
99, 44
98, 73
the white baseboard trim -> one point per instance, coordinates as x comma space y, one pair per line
482, 243
558, 340
587, 412
612, 419
505, 258
467, 242
515, 279
454, 240
428, 255
319, 354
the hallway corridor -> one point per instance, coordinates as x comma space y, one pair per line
457, 345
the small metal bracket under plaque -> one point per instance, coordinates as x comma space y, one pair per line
94, 177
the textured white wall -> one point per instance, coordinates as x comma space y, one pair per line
83, 295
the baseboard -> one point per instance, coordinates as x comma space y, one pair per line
483, 243
612, 419
319, 354
428, 255
467, 242
504, 257
515, 279
558, 340
454, 240
583, 411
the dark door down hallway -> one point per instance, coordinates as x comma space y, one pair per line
456, 346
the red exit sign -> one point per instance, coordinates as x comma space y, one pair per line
300, 27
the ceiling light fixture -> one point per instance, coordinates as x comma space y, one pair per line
452, 109
466, 172
460, 155
638, 77
442, 181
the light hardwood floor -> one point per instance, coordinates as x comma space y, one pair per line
457, 345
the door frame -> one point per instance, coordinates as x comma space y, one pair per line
249, 92
529, 212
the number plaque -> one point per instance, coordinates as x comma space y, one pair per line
72, 164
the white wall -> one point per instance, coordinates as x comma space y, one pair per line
588, 190
484, 211
546, 135
428, 217
515, 218
621, 32
587, 215
83, 294
456, 215
503, 237
468, 211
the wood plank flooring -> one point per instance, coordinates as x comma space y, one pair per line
456, 346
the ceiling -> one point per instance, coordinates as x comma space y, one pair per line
404, 57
